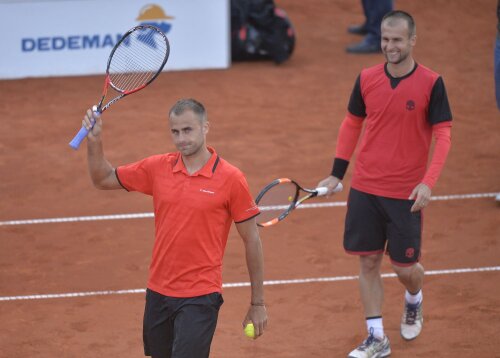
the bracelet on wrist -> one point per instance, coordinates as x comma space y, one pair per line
257, 304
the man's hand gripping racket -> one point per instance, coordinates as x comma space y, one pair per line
135, 61
280, 197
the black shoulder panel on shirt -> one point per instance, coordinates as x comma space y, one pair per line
439, 108
357, 105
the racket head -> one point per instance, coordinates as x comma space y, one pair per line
137, 59
276, 201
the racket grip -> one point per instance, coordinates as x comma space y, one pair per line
322, 190
80, 136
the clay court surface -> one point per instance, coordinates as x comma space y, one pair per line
271, 122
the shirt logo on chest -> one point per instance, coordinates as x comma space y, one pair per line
410, 105
206, 191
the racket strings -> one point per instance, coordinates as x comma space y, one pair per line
276, 201
128, 74
138, 59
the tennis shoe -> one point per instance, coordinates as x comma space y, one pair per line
372, 347
366, 46
357, 29
412, 321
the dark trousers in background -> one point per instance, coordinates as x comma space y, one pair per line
497, 69
374, 12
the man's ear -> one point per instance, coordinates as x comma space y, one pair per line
413, 40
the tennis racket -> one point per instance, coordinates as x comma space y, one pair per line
281, 196
135, 61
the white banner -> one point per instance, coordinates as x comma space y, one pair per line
65, 38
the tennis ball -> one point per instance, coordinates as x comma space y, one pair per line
249, 330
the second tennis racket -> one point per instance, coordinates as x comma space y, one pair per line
280, 197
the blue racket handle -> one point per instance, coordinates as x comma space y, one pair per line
83, 132
80, 136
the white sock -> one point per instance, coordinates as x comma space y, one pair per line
413, 299
375, 324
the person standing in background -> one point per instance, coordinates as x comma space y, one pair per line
497, 68
497, 58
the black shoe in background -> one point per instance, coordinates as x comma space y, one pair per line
364, 47
357, 29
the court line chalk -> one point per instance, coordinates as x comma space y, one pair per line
264, 208
243, 284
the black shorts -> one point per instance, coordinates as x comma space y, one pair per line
179, 327
375, 224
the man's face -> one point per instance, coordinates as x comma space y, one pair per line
396, 43
188, 132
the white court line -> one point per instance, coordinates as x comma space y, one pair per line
243, 284
263, 208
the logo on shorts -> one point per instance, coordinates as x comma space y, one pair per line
410, 252
410, 105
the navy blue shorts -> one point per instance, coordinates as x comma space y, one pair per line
180, 327
375, 224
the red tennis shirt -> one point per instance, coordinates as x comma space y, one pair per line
193, 215
400, 114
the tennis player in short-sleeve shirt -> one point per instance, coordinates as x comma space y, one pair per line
196, 197
402, 105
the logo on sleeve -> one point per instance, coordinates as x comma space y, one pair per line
254, 207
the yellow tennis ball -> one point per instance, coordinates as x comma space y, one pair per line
249, 330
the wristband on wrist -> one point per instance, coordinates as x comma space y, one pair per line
339, 168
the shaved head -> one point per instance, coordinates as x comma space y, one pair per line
190, 104
393, 17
